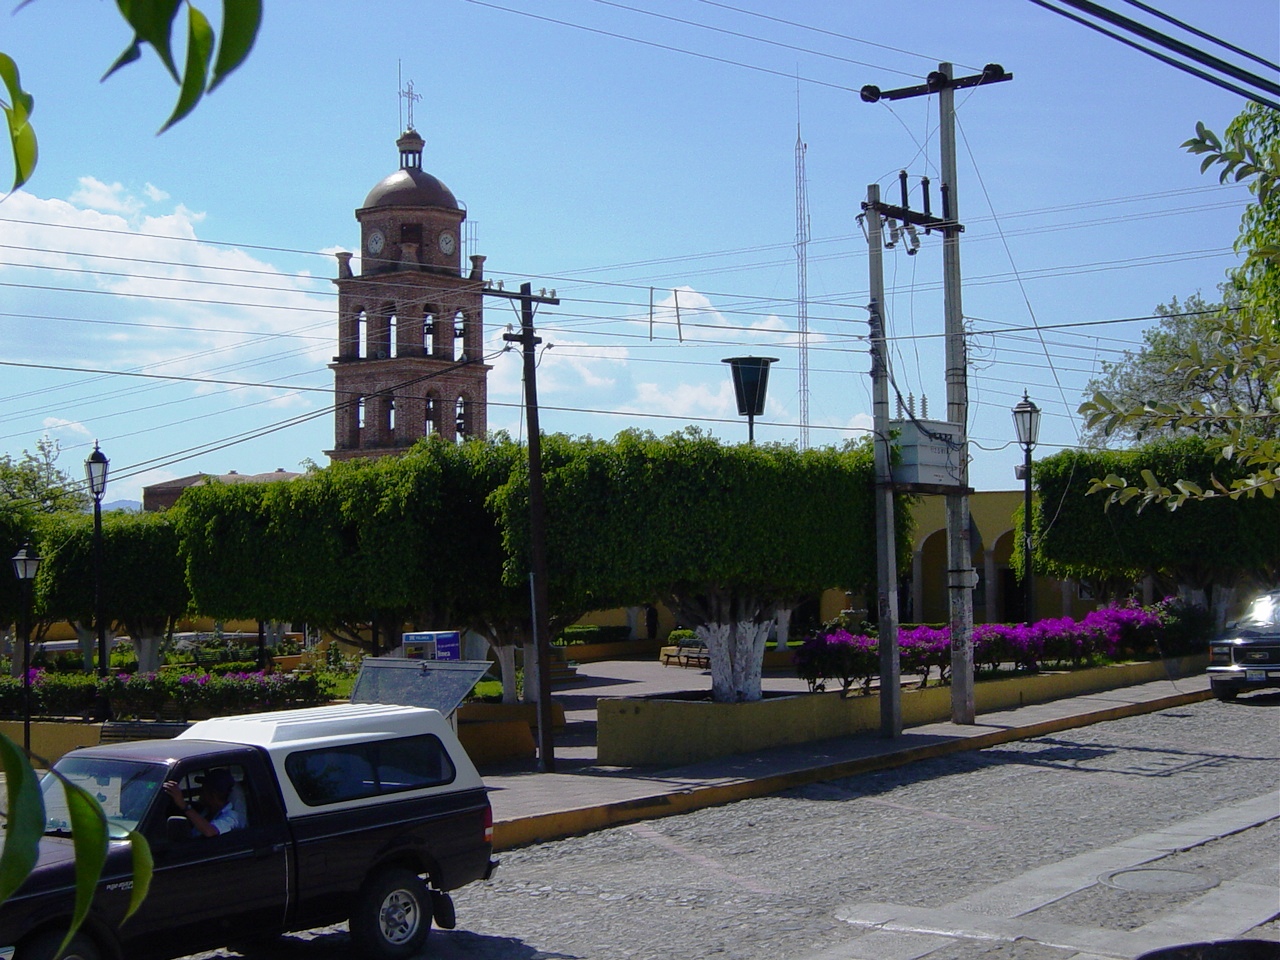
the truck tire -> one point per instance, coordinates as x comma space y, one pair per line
1226, 692
45, 947
393, 916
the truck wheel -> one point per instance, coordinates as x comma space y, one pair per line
393, 916
45, 947
1225, 692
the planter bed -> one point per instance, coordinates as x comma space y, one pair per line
671, 731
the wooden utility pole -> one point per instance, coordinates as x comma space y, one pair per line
537, 516
886, 547
961, 578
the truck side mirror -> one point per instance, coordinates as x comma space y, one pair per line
177, 829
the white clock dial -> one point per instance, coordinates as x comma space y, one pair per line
375, 241
447, 243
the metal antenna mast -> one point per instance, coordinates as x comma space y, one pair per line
802, 279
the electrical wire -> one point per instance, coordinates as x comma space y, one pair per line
1186, 68
661, 46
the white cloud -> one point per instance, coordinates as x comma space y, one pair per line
107, 197
154, 193
692, 400
58, 427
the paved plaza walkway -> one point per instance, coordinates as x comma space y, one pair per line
581, 796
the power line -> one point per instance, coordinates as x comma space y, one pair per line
1186, 68
743, 36
662, 46
1202, 35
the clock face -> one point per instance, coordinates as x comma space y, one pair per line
448, 243
375, 241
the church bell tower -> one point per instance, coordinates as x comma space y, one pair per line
410, 357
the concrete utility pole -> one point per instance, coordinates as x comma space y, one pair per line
886, 547
537, 516
961, 578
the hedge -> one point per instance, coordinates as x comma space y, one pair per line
146, 694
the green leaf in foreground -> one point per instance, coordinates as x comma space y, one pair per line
24, 824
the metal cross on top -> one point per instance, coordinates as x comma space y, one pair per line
408, 95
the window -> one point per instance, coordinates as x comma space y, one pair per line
124, 788
355, 771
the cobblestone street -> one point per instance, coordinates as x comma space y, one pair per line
1069, 845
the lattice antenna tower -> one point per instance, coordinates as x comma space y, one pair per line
802, 278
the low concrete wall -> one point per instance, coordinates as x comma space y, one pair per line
496, 741
51, 739
620, 650
527, 713
634, 732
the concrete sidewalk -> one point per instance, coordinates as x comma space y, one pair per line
530, 807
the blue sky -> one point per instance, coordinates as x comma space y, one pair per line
648, 155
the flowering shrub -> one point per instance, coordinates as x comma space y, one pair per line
922, 648
1105, 634
837, 655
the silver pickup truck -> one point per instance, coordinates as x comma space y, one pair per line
359, 812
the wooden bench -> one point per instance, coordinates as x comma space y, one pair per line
123, 731
687, 653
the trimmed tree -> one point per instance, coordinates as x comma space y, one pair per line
404, 539
1204, 550
724, 534
143, 583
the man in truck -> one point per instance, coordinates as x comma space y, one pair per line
216, 814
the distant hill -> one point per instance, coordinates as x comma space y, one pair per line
133, 506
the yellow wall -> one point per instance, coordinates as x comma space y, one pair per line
993, 514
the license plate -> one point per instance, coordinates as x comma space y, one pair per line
1255, 676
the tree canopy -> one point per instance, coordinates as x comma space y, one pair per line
724, 534
1243, 349
1206, 544
1186, 329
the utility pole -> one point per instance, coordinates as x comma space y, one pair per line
960, 575
537, 516
886, 548
961, 578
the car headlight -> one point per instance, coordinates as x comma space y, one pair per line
1220, 654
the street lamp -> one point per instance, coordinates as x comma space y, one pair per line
750, 384
1026, 421
25, 564
95, 468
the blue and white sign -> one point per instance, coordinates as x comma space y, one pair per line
433, 645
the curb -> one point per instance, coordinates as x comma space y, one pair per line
540, 828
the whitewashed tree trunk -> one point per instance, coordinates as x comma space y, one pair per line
147, 647
88, 641
783, 620
737, 652
1223, 600
505, 655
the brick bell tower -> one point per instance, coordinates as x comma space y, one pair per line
410, 325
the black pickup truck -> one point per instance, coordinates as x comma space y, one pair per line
363, 812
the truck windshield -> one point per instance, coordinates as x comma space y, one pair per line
124, 788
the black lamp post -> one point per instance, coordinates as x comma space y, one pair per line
750, 384
1026, 421
95, 468
25, 564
